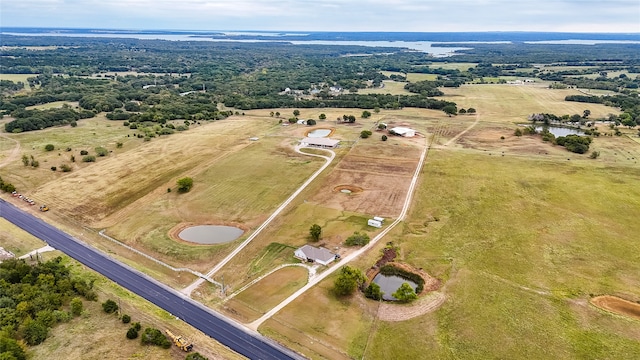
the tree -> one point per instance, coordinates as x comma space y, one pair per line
357, 239
348, 281
49, 147
373, 291
25, 160
365, 134
76, 306
271, 114
154, 337
315, 232
277, 113
185, 184
471, 111
296, 112
11, 349
586, 113
575, 118
84, 152
462, 111
450, 110
311, 122
376, 110
126, 319
384, 137
88, 158
53, 168
405, 293
109, 306
366, 114
34, 332
132, 333
100, 151
382, 126
322, 116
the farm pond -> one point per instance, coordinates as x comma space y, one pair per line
561, 131
390, 284
210, 234
319, 133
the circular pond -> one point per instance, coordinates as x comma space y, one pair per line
319, 133
390, 284
210, 234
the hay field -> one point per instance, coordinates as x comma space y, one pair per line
513, 103
390, 87
17, 77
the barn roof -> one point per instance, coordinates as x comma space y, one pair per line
314, 253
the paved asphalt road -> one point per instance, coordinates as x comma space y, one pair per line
244, 341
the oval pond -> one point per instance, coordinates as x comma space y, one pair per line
390, 284
319, 133
210, 234
561, 131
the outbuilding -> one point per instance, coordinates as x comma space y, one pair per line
309, 253
403, 131
325, 143
374, 223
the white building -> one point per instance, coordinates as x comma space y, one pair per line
326, 143
312, 254
403, 131
374, 223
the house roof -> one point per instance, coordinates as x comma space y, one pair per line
402, 130
313, 253
320, 141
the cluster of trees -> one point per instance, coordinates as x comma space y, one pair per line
33, 299
629, 104
574, 143
152, 336
357, 239
6, 186
28, 120
348, 281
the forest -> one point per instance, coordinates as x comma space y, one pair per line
155, 81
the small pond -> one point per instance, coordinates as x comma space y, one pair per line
390, 284
319, 133
561, 131
210, 234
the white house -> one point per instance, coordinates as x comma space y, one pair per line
403, 131
326, 143
374, 223
312, 254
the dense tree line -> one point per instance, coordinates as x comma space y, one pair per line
28, 120
628, 104
33, 299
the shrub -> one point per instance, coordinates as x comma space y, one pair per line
384, 138
76, 306
126, 318
132, 333
594, 154
152, 336
73, 123
136, 325
195, 356
365, 134
518, 132
84, 152
100, 151
185, 184
373, 291
119, 145
89, 158
53, 168
65, 167
49, 147
109, 306
357, 239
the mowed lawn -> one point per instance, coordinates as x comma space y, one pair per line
520, 244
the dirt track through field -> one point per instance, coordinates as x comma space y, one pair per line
13, 154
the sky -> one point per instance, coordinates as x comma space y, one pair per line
620, 16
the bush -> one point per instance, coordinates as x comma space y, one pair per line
84, 152
109, 306
119, 145
518, 132
76, 306
100, 151
89, 158
357, 239
65, 168
62, 316
384, 138
152, 336
53, 168
594, 154
49, 147
185, 184
136, 325
195, 356
365, 134
132, 333
126, 319
373, 291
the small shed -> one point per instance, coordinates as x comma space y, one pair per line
378, 218
374, 223
312, 254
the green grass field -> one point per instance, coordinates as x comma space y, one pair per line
17, 77
16, 240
